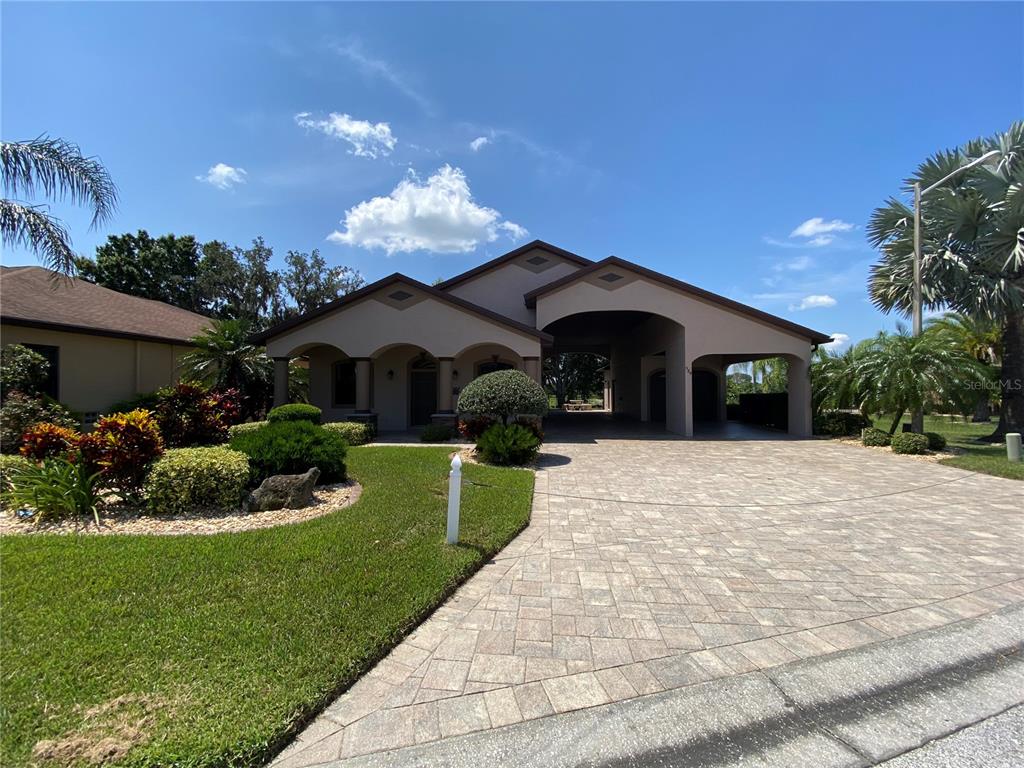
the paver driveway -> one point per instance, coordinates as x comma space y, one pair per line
652, 563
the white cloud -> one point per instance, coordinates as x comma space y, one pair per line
839, 340
799, 264
438, 215
818, 232
367, 139
813, 301
479, 143
223, 176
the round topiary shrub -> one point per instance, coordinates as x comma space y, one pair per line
246, 426
186, 479
936, 442
909, 442
295, 412
354, 432
875, 437
508, 444
505, 394
291, 448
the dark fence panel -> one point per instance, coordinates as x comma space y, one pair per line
765, 409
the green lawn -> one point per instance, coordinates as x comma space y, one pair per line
221, 646
988, 458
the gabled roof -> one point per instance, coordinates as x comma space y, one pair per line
489, 265
38, 298
367, 291
815, 336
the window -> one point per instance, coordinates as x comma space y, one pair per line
344, 384
491, 366
51, 386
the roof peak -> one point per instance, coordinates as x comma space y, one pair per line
469, 274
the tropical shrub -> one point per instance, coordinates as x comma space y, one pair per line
245, 426
508, 444
189, 414
20, 411
875, 437
295, 412
291, 448
45, 441
909, 442
534, 424
22, 370
56, 488
471, 428
936, 442
437, 433
354, 432
123, 446
147, 400
10, 465
185, 479
504, 394
840, 423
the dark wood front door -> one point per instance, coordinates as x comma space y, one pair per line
656, 397
422, 396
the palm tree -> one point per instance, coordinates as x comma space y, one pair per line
979, 338
835, 378
898, 372
224, 358
972, 251
58, 170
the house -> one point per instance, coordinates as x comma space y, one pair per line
103, 346
398, 351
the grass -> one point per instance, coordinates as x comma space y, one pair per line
220, 647
987, 458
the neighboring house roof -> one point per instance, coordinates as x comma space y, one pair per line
815, 336
487, 266
30, 296
366, 291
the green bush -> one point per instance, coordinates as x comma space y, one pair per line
147, 401
56, 488
508, 444
190, 414
437, 433
354, 432
22, 370
248, 426
909, 442
875, 437
840, 423
295, 412
10, 465
184, 479
936, 442
504, 394
21, 411
291, 448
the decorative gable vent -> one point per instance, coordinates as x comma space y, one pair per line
610, 277
537, 261
400, 295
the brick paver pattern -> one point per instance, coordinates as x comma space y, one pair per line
652, 564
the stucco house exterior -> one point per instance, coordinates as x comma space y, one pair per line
398, 351
104, 346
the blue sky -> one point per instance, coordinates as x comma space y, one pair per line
740, 147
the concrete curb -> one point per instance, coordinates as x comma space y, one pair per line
853, 708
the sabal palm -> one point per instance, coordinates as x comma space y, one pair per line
57, 169
898, 372
972, 250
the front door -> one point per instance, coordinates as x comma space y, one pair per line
656, 397
422, 396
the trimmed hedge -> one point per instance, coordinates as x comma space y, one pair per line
504, 394
354, 432
840, 423
295, 412
291, 448
875, 437
437, 433
936, 442
248, 426
184, 479
909, 442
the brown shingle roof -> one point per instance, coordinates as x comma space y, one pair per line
28, 296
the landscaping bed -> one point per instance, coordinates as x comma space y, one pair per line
214, 650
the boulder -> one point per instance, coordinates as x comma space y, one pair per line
284, 491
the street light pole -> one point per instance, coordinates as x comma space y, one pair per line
917, 418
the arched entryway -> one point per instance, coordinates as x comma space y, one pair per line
656, 396
422, 389
705, 395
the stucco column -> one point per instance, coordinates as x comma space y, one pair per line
280, 381
362, 384
798, 385
723, 393
532, 365
678, 405
444, 384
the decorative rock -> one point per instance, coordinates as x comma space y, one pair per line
284, 491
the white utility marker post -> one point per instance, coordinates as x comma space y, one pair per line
454, 499
1013, 446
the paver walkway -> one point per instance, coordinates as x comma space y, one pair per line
652, 563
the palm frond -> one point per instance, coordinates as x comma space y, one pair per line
34, 228
59, 170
